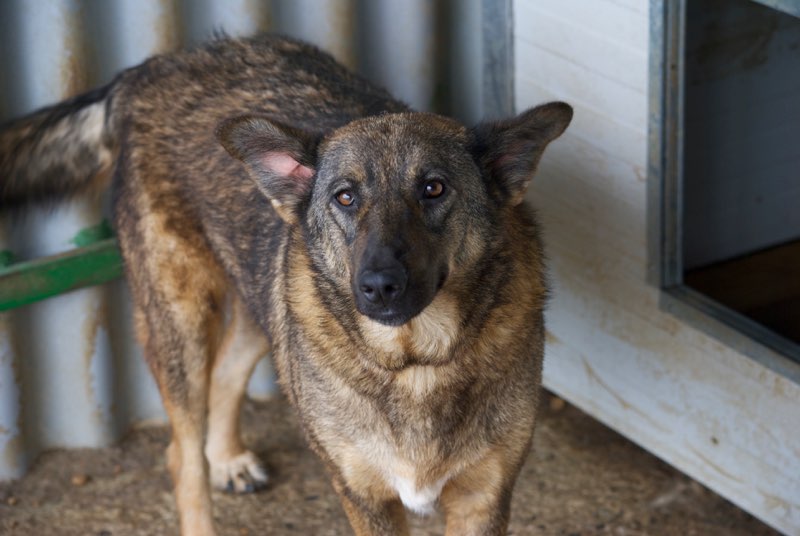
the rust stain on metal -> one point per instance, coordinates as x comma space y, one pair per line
341, 18
427, 68
98, 318
90, 329
73, 69
259, 12
169, 27
13, 452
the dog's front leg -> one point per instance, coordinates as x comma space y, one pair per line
477, 502
371, 514
233, 467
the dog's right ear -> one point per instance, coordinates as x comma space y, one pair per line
278, 157
508, 151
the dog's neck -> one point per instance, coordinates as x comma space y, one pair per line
426, 340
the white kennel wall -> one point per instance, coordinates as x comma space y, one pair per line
727, 420
70, 373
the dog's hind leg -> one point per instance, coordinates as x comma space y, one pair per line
233, 468
178, 290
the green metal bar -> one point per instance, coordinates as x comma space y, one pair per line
6, 259
27, 282
90, 235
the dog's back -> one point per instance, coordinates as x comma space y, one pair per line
59, 150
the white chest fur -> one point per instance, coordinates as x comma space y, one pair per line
420, 500
375, 466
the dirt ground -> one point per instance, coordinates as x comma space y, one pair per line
580, 479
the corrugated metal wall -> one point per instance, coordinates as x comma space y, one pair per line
70, 374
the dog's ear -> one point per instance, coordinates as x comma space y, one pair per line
508, 151
278, 157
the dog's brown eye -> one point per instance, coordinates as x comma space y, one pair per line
433, 189
345, 198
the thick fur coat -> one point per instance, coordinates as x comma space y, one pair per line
267, 199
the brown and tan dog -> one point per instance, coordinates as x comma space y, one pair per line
385, 257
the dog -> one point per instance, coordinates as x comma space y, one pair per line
267, 199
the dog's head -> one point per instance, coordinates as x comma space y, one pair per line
394, 205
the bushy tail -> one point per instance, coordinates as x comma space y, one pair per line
57, 151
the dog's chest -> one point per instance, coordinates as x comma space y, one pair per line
421, 500
417, 476
409, 456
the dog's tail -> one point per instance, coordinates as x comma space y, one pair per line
58, 151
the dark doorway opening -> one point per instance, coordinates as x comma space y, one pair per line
740, 242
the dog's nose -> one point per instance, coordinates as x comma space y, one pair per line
382, 286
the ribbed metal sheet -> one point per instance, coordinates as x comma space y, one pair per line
70, 373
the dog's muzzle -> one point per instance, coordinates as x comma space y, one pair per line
386, 287
382, 288
381, 294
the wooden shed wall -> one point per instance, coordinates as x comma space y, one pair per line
723, 418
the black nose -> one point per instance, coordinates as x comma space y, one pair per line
382, 286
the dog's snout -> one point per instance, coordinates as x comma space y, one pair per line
382, 287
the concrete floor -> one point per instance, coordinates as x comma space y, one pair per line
580, 479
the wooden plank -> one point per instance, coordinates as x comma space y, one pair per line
637, 6
601, 93
595, 52
624, 360
605, 18
591, 122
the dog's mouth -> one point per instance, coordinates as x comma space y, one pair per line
395, 315
391, 318
442, 279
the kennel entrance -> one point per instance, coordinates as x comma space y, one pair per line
730, 243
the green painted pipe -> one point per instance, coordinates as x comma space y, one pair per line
97, 261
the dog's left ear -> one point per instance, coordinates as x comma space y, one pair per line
278, 157
508, 151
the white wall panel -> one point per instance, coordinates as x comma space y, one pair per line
616, 31
721, 417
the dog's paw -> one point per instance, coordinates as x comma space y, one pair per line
243, 473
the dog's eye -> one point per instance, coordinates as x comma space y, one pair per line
345, 198
433, 189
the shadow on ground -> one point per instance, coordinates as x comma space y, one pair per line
580, 479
